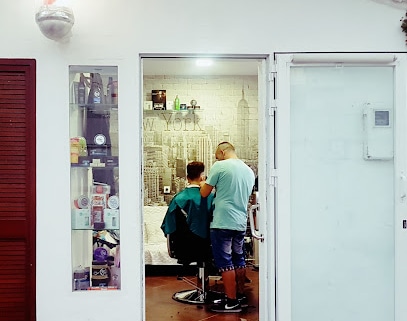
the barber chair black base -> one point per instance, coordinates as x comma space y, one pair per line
197, 295
188, 248
201, 293
190, 296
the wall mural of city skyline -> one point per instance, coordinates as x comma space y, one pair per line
173, 138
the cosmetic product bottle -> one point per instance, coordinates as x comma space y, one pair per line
176, 103
81, 90
109, 90
96, 95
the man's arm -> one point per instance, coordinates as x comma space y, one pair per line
206, 189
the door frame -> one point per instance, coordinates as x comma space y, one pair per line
266, 167
284, 61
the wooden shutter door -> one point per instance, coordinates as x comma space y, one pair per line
17, 189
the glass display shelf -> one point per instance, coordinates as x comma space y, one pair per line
172, 111
96, 107
94, 163
97, 161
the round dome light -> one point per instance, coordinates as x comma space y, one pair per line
55, 22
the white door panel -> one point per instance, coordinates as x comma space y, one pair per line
340, 152
266, 199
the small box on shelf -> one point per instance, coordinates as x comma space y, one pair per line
81, 219
148, 105
111, 219
159, 99
97, 161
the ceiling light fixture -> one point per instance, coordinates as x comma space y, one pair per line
204, 62
55, 19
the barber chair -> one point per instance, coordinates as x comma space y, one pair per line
187, 248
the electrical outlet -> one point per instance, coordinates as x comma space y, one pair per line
166, 189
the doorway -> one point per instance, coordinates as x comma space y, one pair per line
341, 204
220, 100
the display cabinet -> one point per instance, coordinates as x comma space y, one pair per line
95, 213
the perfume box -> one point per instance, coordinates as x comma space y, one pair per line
170, 105
159, 99
81, 219
112, 161
111, 217
148, 105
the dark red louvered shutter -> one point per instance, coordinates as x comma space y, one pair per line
17, 189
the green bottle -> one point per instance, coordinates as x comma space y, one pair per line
176, 103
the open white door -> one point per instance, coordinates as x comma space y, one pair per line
341, 205
265, 223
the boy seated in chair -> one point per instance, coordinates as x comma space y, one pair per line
187, 220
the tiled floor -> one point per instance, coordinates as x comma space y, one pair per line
161, 307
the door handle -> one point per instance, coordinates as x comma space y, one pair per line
255, 232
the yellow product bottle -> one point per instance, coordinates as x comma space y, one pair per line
83, 150
75, 147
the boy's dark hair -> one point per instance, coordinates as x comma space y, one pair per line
195, 169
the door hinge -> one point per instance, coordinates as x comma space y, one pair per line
272, 111
273, 72
274, 67
272, 76
273, 107
274, 177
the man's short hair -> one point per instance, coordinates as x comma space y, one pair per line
225, 145
195, 169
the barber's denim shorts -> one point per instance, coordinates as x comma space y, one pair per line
227, 248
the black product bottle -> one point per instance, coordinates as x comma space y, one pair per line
96, 95
81, 90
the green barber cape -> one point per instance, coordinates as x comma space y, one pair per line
198, 211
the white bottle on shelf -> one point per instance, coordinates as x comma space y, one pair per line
114, 92
109, 90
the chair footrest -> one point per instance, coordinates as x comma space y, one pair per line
195, 296
190, 296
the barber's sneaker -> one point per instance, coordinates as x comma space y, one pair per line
219, 300
244, 302
226, 307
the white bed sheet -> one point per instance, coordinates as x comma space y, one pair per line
155, 242
157, 254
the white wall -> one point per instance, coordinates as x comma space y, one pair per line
115, 33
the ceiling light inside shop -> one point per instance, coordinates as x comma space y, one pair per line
204, 62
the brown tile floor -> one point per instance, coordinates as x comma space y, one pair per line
161, 307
